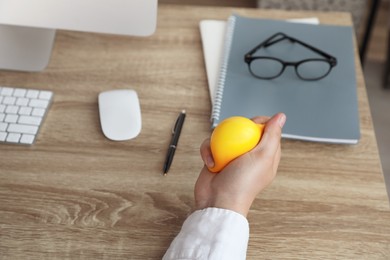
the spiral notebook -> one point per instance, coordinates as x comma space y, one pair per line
325, 110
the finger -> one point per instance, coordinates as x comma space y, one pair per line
205, 153
203, 189
278, 155
270, 140
260, 119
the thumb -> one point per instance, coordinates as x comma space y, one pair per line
205, 153
270, 140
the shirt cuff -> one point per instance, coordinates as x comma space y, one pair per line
211, 233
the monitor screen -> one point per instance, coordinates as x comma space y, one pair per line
27, 27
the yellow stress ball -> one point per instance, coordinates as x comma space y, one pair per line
231, 138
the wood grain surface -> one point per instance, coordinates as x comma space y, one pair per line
76, 195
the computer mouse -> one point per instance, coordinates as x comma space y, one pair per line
120, 114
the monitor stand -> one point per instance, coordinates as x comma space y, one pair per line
25, 48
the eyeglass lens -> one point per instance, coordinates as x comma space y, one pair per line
268, 68
313, 69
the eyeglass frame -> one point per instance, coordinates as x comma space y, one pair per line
248, 58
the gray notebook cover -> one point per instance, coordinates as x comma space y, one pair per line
325, 110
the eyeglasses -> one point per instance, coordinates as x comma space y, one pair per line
264, 67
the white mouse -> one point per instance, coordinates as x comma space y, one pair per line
120, 114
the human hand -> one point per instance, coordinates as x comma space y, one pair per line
238, 184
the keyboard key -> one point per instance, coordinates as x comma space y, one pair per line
9, 100
45, 95
23, 129
38, 112
7, 91
22, 101
27, 139
30, 120
12, 109
25, 111
11, 118
13, 138
3, 136
38, 103
31, 93
3, 126
19, 92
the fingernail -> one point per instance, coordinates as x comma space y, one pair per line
282, 120
209, 162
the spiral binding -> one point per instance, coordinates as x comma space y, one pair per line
222, 73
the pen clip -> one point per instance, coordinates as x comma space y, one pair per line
175, 126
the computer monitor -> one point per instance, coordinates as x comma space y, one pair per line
27, 27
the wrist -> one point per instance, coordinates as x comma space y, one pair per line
241, 207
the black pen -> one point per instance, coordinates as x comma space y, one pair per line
175, 138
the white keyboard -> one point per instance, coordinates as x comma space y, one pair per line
21, 113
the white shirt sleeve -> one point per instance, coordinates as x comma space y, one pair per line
211, 233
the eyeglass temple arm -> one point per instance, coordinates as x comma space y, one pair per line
272, 42
266, 43
326, 55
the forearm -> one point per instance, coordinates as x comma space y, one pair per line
211, 233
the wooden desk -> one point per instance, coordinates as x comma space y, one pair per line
76, 195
